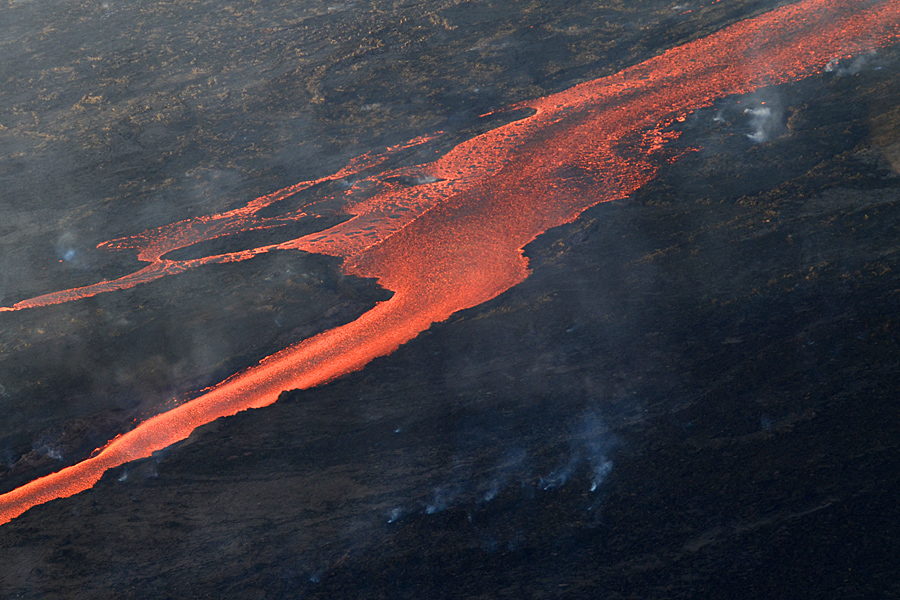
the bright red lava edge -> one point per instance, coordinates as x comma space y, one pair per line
455, 240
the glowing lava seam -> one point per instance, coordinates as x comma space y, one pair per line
456, 240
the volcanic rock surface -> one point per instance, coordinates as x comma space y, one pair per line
692, 395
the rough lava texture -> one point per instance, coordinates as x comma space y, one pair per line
717, 355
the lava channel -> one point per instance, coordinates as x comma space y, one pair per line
456, 239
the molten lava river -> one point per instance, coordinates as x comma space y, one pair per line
455, 240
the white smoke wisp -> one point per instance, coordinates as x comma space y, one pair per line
598, 442
601, 471
591, 441
760, 123
443, 498
67, 250
512, 464
561, 474
759, 117
856, 65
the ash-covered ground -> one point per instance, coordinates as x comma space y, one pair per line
693, 394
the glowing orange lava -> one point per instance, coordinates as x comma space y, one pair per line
455, 240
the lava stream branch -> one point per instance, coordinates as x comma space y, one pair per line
456, 240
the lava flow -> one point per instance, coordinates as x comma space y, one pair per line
455, 240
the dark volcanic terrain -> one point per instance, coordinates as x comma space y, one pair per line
694, 394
